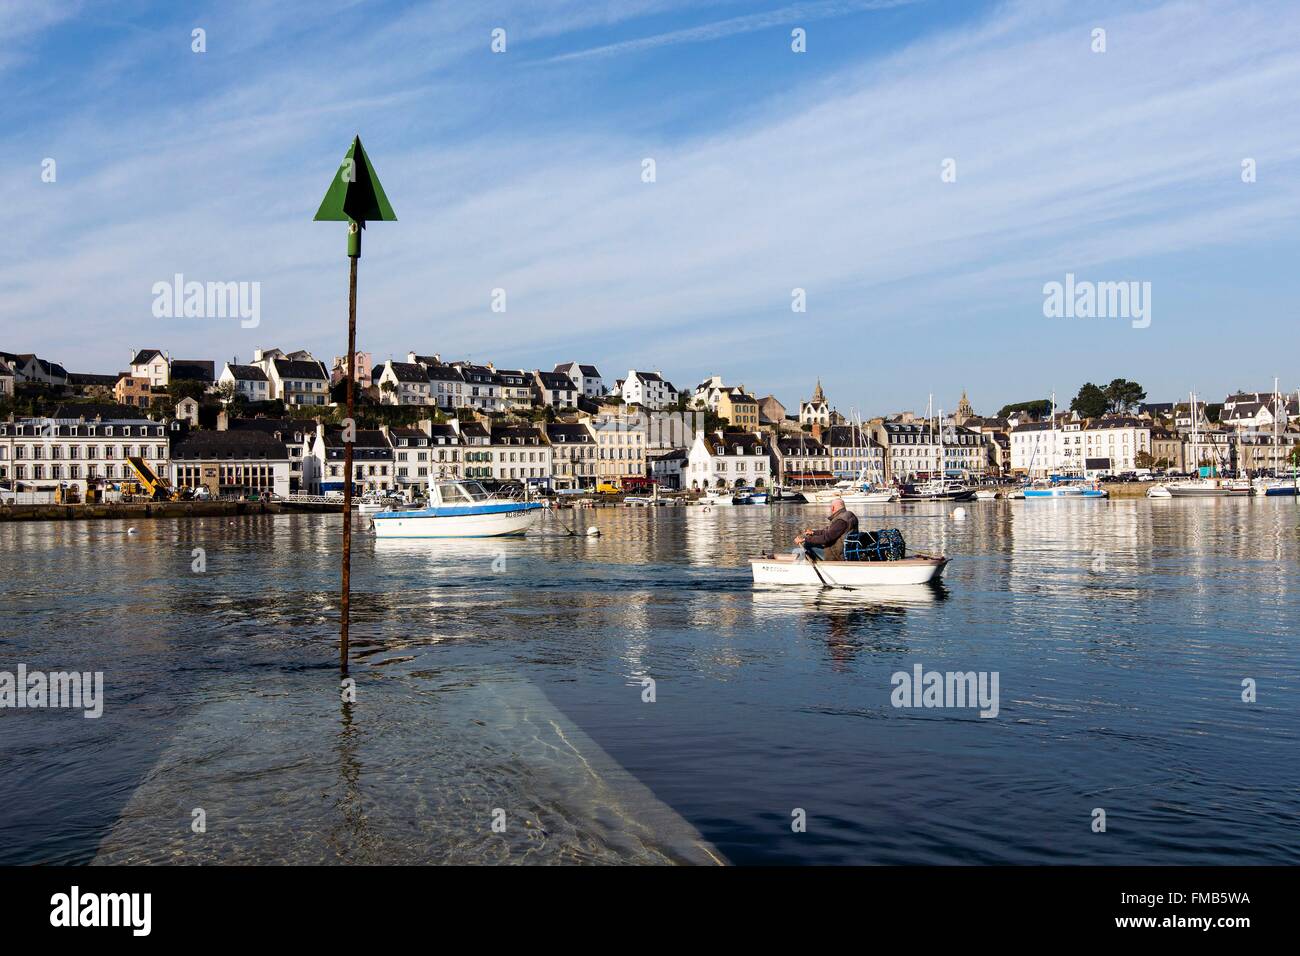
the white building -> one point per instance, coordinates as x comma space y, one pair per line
669, 468
516, 388
853, 452
520, 453
621, 443
727, 460
815, 411
573, 454
800, 459
404, 383
299, 381
151, 365
251, 381
1110, 445
43, 453
372, 461
446, 383
295, 434
555, 389
648, 389
1088, 448
915, 450
230, 462
586, 378
7, 379
482, 390
1257, 411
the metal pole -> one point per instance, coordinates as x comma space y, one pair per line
354, 253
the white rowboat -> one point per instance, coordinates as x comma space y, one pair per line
789, 569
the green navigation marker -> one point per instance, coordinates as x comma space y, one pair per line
355, 196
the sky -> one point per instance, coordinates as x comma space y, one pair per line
774, 170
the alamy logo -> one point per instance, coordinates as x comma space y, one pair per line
208, 300
58, 689
1084, 299
102, 909
923, 688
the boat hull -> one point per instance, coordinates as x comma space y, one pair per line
503, 521
1066, 493
1197, 492
944, 496
786, 570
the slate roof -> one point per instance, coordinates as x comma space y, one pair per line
196, 370
408, 372
245, 443
247, 373
297, 368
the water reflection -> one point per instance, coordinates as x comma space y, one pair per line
1121, 629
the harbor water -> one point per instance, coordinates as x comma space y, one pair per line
633, 698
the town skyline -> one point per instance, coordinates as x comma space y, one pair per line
859, 174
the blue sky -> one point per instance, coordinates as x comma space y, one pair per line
775, 170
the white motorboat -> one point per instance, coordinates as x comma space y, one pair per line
986, 494
372, 503
1064, 488
1275, 487
792, 569
458, 509
939, 489
715, 500
1158, 491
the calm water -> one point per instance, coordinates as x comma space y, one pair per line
508, 675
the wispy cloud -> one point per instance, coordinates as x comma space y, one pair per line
793, 15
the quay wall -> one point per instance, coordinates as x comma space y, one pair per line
156, 509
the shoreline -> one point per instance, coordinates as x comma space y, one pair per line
158, 509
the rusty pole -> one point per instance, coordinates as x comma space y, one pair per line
354, 253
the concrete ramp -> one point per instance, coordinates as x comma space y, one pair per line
409, 774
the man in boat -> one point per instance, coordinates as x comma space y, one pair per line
828, 543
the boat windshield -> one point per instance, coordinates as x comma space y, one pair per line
460, 492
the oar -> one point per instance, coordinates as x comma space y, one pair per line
816, 570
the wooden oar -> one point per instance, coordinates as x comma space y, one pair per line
816, 570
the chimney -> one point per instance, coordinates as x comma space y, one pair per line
257, 356
223, 421
817, 431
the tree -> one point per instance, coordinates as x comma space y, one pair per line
1039, 408
1123, 395
179, 388
226, 392
1091, 402
1144, 460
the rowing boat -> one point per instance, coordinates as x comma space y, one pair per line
797, 570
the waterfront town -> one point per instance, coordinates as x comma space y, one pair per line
274, 426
